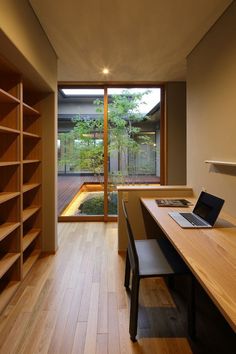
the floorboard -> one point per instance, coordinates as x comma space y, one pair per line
74, 303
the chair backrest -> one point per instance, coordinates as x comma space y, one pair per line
133, 256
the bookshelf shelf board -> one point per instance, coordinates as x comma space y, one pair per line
30, 111
30, 237
7, 293
28, 212
5, 196
28, 264
7, 130
31, 135
9, 163
7, 228
5, 97
7, 261
30, 161
28, 186
222, 163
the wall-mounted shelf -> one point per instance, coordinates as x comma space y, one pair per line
222, 163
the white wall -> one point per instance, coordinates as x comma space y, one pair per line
21, 26
211, 110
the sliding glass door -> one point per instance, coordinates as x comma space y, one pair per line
80, 152
106, 136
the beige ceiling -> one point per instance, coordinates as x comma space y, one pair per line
138, 40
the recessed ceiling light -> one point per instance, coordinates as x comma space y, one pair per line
105, 71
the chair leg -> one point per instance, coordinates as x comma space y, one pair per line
133, 322
127, 271
191, 309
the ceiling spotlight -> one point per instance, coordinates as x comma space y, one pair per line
105, 71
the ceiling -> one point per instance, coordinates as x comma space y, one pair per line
137, 40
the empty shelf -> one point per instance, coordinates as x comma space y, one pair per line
5, 97
30, 237
28, 212
7, 261
7, 228
28, 264
28, 186
5, 196
30, 111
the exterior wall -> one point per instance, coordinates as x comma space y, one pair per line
76, 108
176, 133
25, 45
211, 109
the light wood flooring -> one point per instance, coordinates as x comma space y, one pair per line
75, 302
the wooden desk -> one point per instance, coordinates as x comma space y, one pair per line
209, 253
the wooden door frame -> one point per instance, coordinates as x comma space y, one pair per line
163, 138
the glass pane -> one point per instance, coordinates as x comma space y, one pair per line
133, 138
80, 152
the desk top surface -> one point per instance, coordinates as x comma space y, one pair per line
209, 253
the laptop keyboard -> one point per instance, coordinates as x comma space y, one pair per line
192, 219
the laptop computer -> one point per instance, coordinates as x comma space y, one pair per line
203, 215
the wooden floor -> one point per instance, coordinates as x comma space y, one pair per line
75, 302
69, 185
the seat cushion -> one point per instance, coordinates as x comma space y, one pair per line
154, 261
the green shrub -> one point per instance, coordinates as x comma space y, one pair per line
95, 205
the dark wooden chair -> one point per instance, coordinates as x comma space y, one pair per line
149, 258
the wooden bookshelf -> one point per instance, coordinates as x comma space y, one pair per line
7, 228
27, 187
28, 212
7, 261
30, 161
30, 260
8, 130
5, 97
5, 196
31, 135
30, 237
20, 179
30, 111
9, 163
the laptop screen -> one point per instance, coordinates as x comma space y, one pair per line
208, 207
